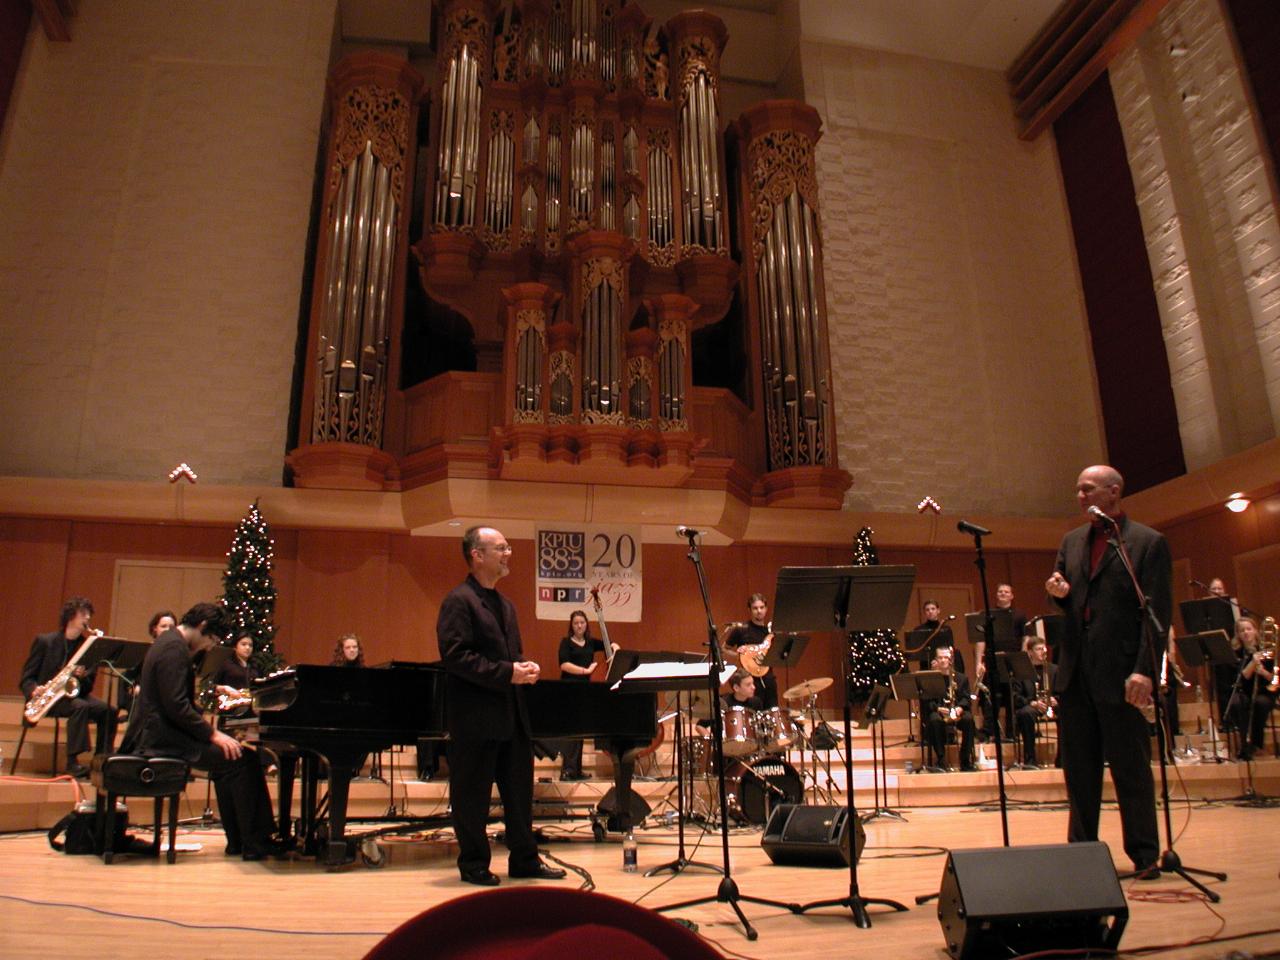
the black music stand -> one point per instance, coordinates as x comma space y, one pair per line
1016, 665
844, 599
919, 686
1209, 613
619, 681
874, 713
1213, 648
117, 655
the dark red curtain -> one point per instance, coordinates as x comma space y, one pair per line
15, 18
1257, 28
1139, 417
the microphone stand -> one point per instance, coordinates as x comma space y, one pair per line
727, 892
989, 662
1152, 629
681, 862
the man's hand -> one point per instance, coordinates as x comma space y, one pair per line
79, 671
1056, 586
980, 670
524, 671
229, 746
1137, 690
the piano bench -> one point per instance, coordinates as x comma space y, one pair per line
123, 775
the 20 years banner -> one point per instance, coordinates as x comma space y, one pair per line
574, 559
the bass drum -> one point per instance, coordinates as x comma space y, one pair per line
752, 790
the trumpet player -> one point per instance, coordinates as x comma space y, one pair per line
955, 710
1256, 689
49, 655
1034, 701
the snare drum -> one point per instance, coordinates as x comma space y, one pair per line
739, 732
776, 730
753, 790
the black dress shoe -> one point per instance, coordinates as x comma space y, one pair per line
481, 878
540, 872
233, 850
78, 770
1150, 872
264, 849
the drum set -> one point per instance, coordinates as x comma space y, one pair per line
759, 746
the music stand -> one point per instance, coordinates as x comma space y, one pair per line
844, 599
880, 696
117, 655
1214, 649
1209, 613
918, 686
680, 684
785, 651
1016, 665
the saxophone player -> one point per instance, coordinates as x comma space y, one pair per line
1034, 701
955, 709
49, 654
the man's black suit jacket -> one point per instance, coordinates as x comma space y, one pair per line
49, 651
479, 641
1115, 634
166, 722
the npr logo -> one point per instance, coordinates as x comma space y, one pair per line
562, 555
562, 594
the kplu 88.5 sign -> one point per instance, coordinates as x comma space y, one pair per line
572, 561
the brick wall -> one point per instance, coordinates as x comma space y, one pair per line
155, 189
959, 347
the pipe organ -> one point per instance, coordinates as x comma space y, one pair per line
576, 214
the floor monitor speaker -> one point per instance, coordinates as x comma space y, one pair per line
1007, 901
816, 836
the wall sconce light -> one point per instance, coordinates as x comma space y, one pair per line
1237, 503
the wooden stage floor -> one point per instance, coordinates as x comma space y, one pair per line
208, 905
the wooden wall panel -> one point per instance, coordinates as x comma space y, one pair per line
33, 563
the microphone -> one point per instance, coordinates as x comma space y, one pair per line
1097, 514
683, 531
964, 526
1193, 582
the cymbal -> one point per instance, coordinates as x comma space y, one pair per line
807, 689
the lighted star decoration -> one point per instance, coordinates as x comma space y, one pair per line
180, 471
928, 503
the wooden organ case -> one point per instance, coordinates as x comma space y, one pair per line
577, 217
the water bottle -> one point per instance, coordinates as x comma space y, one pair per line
629, 852
1199, 694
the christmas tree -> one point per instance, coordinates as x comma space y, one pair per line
875, 655
248, 590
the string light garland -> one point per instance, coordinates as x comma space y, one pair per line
875, 654
182, 471
249, 592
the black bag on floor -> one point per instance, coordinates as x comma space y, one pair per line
82, 835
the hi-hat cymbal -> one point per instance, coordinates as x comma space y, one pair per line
807, 689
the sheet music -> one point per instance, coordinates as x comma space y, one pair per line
673, 671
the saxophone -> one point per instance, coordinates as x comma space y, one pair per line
63, 684
949, 702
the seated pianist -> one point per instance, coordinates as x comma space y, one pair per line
953, 710
166, 723
1034, 701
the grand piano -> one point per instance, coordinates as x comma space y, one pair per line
329, 718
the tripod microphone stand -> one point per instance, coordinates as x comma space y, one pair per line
1153, 634
728, 890
681, 862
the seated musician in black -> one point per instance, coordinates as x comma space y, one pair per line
235, 675
348, 652
577, 654
1252, 702
166, 723
49, 654
1033, 701
755, 633
939, 635
742, 693
953, 710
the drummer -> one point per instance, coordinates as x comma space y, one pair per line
742, 692
754, 633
